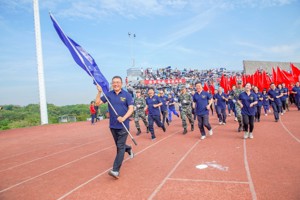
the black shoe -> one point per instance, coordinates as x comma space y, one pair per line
192, 127
258, 120
276, 120
139, 131
147, 129
163, 128
184, 131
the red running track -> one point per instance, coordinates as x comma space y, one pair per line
71, 161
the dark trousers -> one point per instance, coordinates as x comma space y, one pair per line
221, 114
258, 112
151, 120
276, 109
120, 137
93, 116
203, 121
164, 115
266, 108
248, 121
297, 102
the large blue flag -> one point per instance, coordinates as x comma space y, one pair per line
82, 58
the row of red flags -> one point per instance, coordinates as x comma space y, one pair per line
260, 79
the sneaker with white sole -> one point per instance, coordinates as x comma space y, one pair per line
251, 135
235, 119
203, 137
113, 174
220, 123
246, 135
210, 132
131, 154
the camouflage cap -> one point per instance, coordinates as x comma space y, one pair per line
239, 82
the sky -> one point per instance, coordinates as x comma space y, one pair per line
197, 34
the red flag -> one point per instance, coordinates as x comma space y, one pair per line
296, 72
224, 83
232, 81
244, 79
205, 87
280, 78
274, 76
211, 89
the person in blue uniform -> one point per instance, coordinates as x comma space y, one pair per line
202, 101
221, 98
266, 102
259, 104
247, 101
296, 92
274, 96
153, 103
164, 107
171, 103
285, 98
122, 102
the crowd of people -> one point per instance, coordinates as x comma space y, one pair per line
157, 105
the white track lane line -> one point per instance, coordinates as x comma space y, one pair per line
97, 176
251, 185
207, 181
289, 131
40, 158
173, 170
61, 166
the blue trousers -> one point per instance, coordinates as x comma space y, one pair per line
172, 110
221, 114
276, 109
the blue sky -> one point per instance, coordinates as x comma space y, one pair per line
199, 34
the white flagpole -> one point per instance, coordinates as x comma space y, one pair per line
39, 55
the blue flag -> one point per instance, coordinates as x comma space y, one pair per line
82, 58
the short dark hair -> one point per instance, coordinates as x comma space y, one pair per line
198, 82
119, 77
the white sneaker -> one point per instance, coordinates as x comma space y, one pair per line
229, 114
131, 154
281, 113
210, 132
266, 114
203, 137
220, 123
251, 135
246, 135
223, 123
235, 119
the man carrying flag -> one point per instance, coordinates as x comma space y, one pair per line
120, 102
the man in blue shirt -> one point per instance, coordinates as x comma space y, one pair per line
259, 104
164, 107
201, 102
274, 96
122, 102
285, 98
296, 91
247, 101
172, 109
153, 103
221, 99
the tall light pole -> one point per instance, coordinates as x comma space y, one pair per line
40, 66
131, 37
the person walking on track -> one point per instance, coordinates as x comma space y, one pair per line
247, 101
139, 112
186, 100
122, 102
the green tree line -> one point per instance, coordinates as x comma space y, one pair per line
14, 116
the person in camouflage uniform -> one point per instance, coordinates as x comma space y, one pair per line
139, 112
186, 100
234, 95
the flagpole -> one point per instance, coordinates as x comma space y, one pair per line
89, 72
38, 41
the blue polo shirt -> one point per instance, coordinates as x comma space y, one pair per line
259, 95
120, 102
265, 99
285, 96
202, 100
273, 94
164, 100
221, 103
150, 102
296, 89
171, 100
246, 101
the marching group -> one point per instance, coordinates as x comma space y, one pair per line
246, 103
